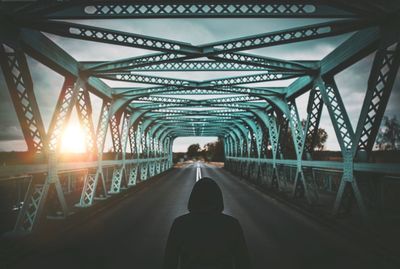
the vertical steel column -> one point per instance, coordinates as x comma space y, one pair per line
300, 186
122, 138
35, 199
84, 108
159, 133
133, 170
115, 122
283, 127
314, 111
269, 120
91, 180
164, 152
144, 167
345, 135
256, 140
134, 127
150, 139
305, 176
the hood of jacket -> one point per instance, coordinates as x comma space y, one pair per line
206, 197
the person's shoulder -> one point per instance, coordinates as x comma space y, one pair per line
229, 219
232, 224
182, 218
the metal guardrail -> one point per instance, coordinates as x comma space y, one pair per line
384, 168
13, 171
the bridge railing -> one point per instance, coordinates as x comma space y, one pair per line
29, 193
378, 182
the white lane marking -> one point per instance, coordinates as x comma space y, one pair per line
198, 172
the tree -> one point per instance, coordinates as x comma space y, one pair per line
193, 150
320, 139
319, 143
214, 151
389, 134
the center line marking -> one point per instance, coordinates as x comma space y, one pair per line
198, 172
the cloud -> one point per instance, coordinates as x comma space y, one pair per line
13, 145
10, 133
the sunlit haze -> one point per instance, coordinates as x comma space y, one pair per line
73, 139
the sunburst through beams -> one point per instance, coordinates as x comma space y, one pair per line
73, 139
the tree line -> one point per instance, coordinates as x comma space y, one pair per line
388, 139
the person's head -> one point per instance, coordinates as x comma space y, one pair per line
206, 197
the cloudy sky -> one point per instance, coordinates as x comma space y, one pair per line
352, 82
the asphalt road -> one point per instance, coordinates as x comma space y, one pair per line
133, 233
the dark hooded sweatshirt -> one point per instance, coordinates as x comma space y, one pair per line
205, 238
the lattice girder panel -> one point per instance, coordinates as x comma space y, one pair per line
135, 62
152, 169
380, 84
65, 104
259, 137
270, 76
158, 168
216, 9
124, 134
144, 171
286, 36
133, 173
134, 93
283, 128
228, 61
148, 79
84, 108
90, 188
98, 34
115, 122
164, 99
302, 184
28, 217
296, 129
314, 111
20, 85
116, 181
102, 126
132, 141
338, 114
233, 99
265, 143
273, 132
209, 66
257, 61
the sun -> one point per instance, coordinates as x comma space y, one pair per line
73, 139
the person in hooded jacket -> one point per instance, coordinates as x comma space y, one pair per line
205, 237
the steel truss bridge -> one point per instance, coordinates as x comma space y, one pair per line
144, 121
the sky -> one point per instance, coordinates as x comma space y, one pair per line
352, 82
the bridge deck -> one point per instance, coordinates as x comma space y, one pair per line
133, 233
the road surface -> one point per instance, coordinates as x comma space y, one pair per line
133, 233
